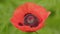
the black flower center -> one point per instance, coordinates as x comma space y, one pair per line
31, 20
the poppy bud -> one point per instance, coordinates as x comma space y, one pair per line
29, 17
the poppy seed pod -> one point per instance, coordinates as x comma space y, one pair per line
29, 17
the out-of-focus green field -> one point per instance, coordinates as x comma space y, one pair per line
52, 23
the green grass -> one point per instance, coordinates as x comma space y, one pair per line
52, 23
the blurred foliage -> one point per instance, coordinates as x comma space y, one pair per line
52, 23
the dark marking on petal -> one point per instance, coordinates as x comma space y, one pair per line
20, 24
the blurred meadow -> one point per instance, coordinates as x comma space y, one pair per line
52, 24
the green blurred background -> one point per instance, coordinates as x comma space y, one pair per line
52, 23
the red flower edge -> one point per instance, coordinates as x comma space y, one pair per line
38, 11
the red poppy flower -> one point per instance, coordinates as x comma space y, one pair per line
29, 17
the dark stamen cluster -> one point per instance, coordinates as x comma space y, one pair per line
31, 20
